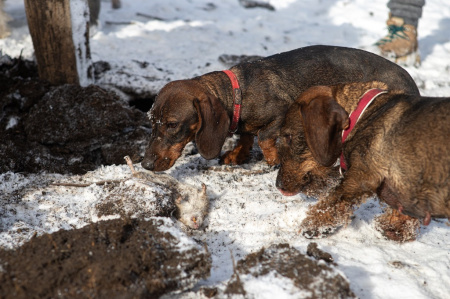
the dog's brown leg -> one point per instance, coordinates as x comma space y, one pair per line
396, 226
269, 150
328, 215
241, 153
335, 210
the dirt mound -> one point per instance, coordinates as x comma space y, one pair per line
135, 200
109, 259
303, 276
63, 129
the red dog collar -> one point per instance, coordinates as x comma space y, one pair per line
237, 100
363, 103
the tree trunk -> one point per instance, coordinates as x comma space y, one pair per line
61, 42
116, 4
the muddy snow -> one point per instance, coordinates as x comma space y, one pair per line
83, 140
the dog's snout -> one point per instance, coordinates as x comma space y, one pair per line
284, 186
148, 164
279, 183
280, 186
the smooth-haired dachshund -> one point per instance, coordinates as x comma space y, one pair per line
203, 108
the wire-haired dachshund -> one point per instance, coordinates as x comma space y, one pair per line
203, 108
394, 145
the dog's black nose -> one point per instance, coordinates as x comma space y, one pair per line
279, 181
148, 164
281, 186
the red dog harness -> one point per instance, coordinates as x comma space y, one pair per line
237, 100
363, 103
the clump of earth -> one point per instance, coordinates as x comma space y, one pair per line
301, 275
64, 129
121, 258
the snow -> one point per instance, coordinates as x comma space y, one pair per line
80, 9
270, 286
247, 211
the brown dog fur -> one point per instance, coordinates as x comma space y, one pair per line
200, 109
392, 152
299, 170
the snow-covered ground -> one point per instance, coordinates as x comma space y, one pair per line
247, 211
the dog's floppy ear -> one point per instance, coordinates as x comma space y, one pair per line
213, 126
323, 121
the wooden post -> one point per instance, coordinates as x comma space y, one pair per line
116, 4
61, 53
4, 18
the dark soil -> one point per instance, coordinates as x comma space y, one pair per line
135, 200
310, 276
314, 251
63, 129
110, 259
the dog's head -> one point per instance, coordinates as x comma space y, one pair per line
184, 111
310, 140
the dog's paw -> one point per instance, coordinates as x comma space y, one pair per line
318, 232
325, 218
397, 227
313, 227
234, 157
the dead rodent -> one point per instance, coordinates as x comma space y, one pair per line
192, 203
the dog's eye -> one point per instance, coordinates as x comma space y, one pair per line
172, 125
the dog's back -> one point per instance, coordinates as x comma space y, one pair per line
330, 65
419, 150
